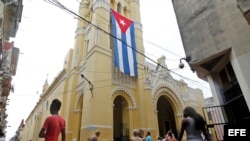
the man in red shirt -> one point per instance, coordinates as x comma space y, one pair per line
54, 124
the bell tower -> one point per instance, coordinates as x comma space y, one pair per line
109, 103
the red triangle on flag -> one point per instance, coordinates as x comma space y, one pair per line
122, 21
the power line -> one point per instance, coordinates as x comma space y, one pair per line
144, 40
59, 5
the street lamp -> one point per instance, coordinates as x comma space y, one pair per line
187, 59
90, 84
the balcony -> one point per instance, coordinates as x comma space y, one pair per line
231, 113
12, 17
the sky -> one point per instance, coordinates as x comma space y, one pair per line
46, 33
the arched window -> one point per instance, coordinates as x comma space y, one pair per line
125, 12
119, 8
112, 4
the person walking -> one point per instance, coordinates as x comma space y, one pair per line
141, 134
170, 136
136, 136
96, 136
194, 124
54, 124
148, 137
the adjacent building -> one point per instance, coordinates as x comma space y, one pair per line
10, 17
216, 39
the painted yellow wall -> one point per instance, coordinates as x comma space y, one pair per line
86, 111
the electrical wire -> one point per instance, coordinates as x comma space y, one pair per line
142, 39
58, 4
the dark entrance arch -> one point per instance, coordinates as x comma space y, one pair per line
166, 116
120, 119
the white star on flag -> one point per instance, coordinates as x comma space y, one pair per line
122, 22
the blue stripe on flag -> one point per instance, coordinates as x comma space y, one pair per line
116, 58
133, 46
125, 55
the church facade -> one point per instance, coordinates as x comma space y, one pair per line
97, 95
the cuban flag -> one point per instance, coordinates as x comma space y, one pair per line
124, 44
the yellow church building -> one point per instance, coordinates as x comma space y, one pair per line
97, 95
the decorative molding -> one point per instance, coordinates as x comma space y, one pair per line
72, 72
80, 31
101, 4
79, 96
178, 116
80, 87
131, 108
138, 25
84, 4
137, 1
163, 88
163, 85
77, 110
83, 30
121, 79
148, 84
97, 34
126, 94
93, 127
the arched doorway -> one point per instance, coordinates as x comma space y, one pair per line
78, 118
121, 119
166, 116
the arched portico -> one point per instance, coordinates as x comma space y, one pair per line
123, 106
168, 106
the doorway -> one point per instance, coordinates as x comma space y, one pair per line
120, 119
166, 117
